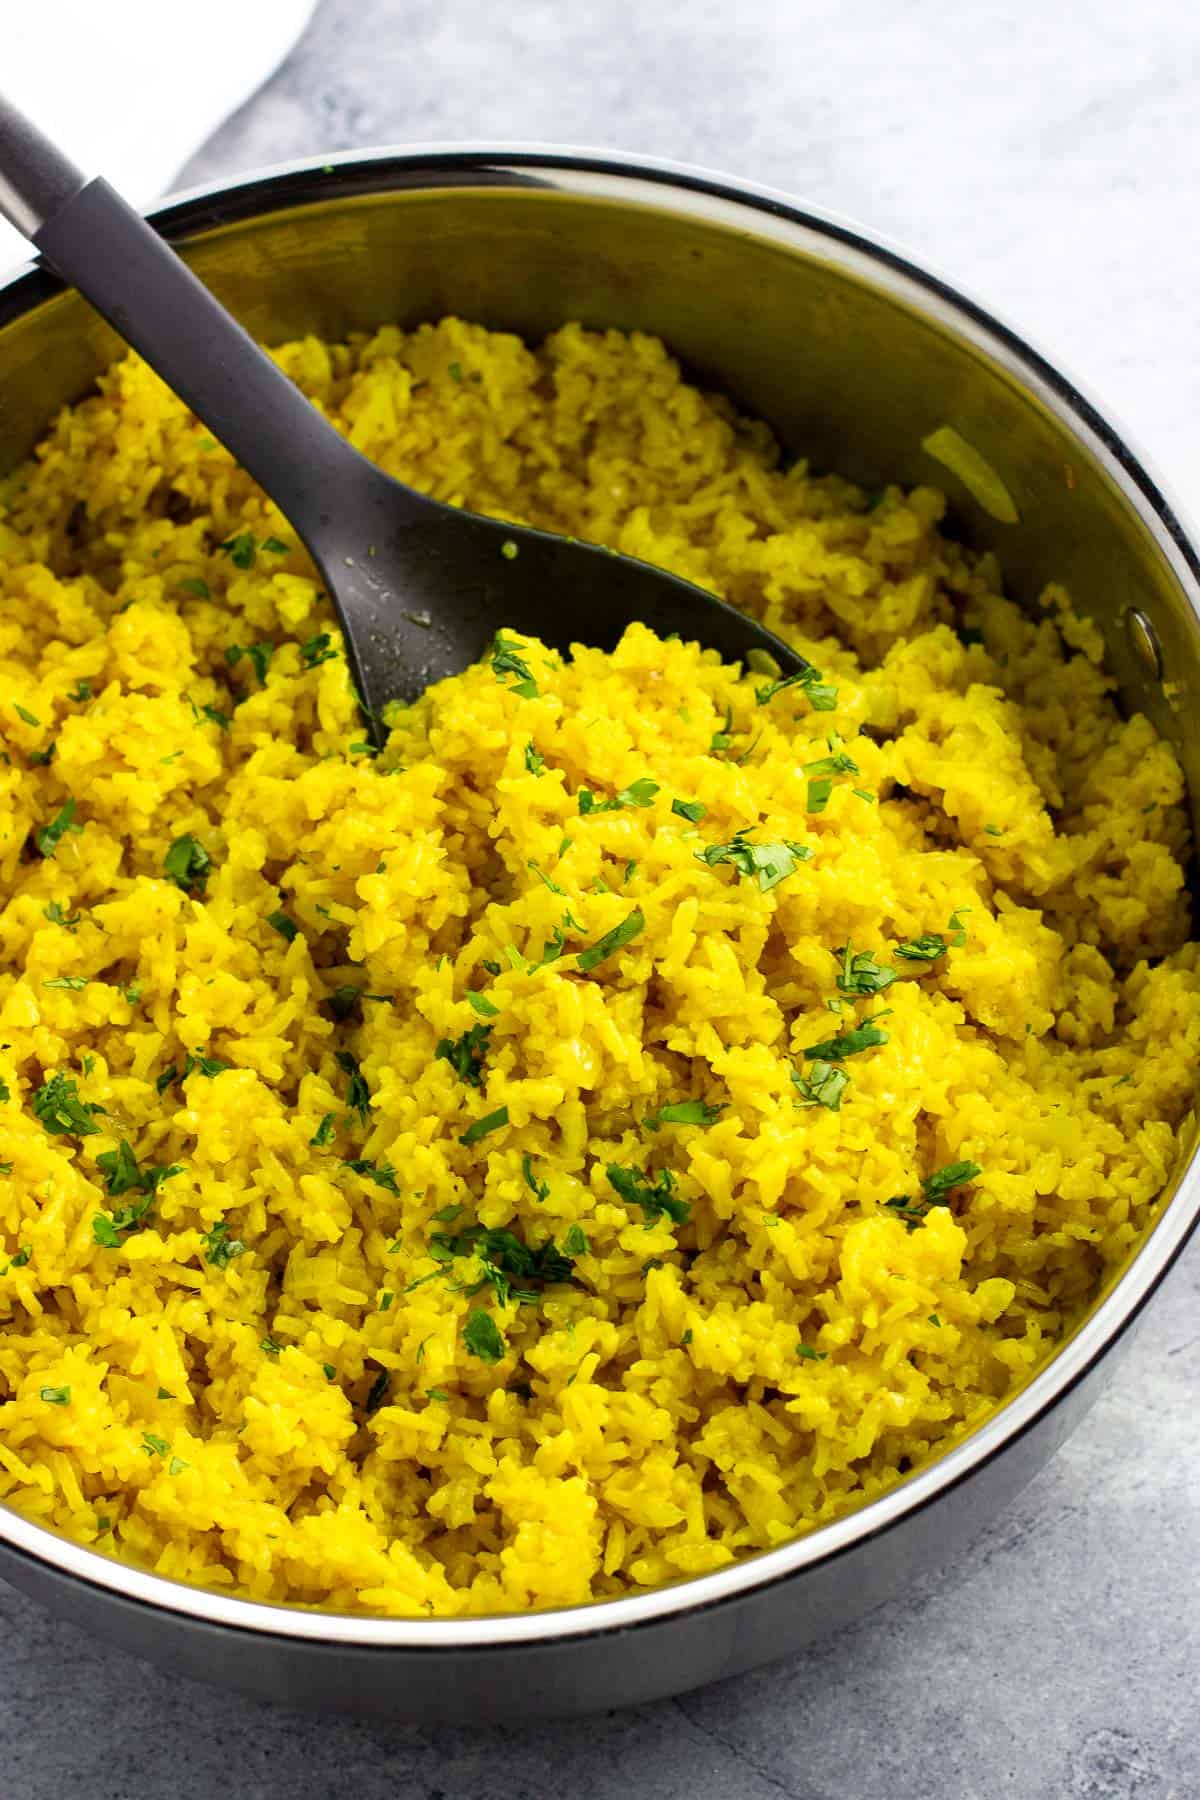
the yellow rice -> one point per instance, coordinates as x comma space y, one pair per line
270, 1381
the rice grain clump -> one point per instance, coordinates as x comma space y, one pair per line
629, 1121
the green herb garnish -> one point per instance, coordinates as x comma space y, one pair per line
684, 1112
861, 974
187, 863
692, 810
61, 1111
771, 863
240, 549
613, 940
575, 1241
482, 1127
483, 1338
382, 1174
535, 762
192, 584
259, 656
466, 1054
76, 983
847, 1043
822, 1085
324, 1133
358, 1094
55, 1396
219, 1248
287, 928
50, 836
481, 1004
656, 1198
507, 660
539, 1189
318, 650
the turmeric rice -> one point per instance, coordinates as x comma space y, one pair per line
630, 1120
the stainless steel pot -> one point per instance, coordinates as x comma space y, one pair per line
854, 355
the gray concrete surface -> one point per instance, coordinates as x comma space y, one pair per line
1046, 157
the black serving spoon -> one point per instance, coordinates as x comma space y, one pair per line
420, 587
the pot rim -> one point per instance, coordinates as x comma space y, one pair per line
761, 212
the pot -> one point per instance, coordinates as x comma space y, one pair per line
856, 357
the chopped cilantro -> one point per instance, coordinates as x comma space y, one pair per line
939, 1184
771, 863
122, 1174
684, 1112
613, 940
382, 1174
212, 1066
216, 717
50, 836
329, 1371
809, 1354
656, 1198
344, 999
81, 691
454, 370
639, 793
287, 928
818, 795
55, 1396
956, 930
507, 660
483, 1338
822, 1085
192, 584
466, 1054
575, 1241
934, 1189
692, 810
176, 1466
861, 974
378, 1392
29, 718
482, 1005
240, 550
847, 1043
61, 1111
535, 762
358, 1094
75, 982
324, 1133
269, 1347
219, 1248
23, 1255
259, 656
837, 763
154, 1446
544, 878
276, 547
820, 695
318, 650
54, 912
482, 1127
436, 1394
539, 1189
187, 863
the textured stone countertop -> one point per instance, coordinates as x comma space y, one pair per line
1047, 158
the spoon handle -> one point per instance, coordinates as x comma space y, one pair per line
147, 293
